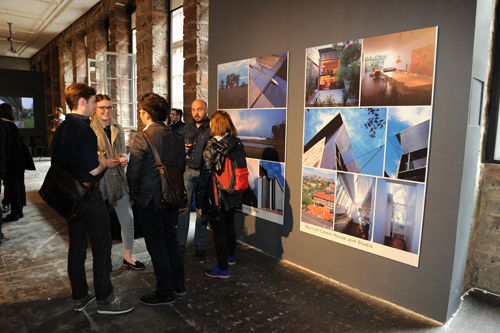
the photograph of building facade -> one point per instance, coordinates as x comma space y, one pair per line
331, 148
407, 144
271, 191
414, 149
333, 74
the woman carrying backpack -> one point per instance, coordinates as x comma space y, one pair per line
215, 205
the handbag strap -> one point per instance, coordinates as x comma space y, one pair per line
149, 137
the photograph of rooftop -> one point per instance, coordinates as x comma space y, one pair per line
318, 197
268, 81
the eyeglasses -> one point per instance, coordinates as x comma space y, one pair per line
104, 108
174, 114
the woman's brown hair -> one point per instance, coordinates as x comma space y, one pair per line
221, 123
100, 97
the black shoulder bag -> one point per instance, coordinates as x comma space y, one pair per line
173, 191
65, 194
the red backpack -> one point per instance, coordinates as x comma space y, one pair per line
234, 176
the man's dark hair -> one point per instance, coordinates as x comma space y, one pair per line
178, 111
6, 111
155, 105
76, 91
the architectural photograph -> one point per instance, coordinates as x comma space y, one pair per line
407, 143
233, 85
398, 214
345, 139
398, 69
268, 85
318, 197
333, 74
354, 205
267, 186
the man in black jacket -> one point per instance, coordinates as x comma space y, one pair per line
196, 134
157, 221
4, 154
74, 149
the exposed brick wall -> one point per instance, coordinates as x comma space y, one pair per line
195, 53
79, 54
152, 41
64, 60
483, 262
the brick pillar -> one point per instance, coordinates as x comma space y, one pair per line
119, 26
55, 69
195, 53
152, 43
66, 71
79, 55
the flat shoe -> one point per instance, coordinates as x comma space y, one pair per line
138, 265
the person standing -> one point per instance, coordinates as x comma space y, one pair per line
176, 122
59, 117
15, 191
196, 134
74, 149
221, 218
4, 155
157, 221
114, 187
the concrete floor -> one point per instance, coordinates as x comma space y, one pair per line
263, 294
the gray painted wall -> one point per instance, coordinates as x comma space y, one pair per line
243, 29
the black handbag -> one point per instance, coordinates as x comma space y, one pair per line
65, 194
173, 191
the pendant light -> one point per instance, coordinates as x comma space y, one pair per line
398, 61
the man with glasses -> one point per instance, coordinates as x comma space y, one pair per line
176, 123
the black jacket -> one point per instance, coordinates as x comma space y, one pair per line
142, 174
214, 157
16, 162
4, 147
195, 157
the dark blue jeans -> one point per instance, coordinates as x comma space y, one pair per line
160, 234
95, 223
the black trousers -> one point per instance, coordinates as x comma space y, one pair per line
94, 223
15, 191
224, 237
159, 229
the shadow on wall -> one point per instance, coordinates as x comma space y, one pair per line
265, 235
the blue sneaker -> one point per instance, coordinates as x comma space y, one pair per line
231, 260
216, 272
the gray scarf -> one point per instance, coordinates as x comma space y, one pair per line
114, 178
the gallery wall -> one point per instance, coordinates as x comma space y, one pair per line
245, 29
20, 83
